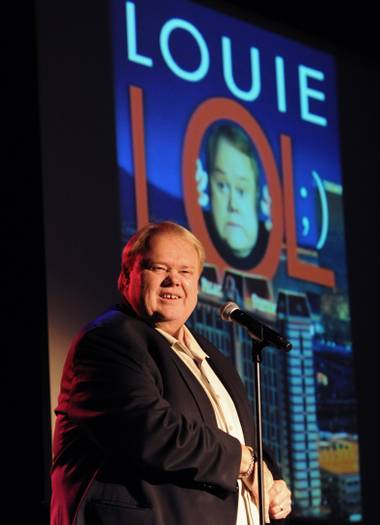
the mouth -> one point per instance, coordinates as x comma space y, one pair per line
234, 224
169, 296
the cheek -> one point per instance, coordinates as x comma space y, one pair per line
148, 292
248, 208
219, 211
191, 288
218, 200
145, 291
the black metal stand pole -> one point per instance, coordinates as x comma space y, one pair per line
257, 347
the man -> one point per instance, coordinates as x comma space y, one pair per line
153, 424
234, 196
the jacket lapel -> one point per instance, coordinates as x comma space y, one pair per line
228, 375
239, 398
191, 382
197, 391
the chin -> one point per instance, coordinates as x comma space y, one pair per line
240, 255
239, 250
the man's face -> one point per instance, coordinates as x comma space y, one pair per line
233, 198
163, 283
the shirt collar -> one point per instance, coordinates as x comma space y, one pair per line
190, 346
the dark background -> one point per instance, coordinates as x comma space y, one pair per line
351, 35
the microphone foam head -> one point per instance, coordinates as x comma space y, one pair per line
227, 309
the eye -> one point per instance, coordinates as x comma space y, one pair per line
243, 190
158, 268
222, 186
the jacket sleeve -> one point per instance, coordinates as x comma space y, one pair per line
115, 394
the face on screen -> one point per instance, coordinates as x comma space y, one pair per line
233, 198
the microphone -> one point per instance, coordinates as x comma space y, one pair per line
231, 312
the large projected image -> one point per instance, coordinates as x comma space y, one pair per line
232, 131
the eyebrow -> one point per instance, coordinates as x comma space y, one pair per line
219, 171
145, 263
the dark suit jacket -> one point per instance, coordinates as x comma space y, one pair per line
136, 440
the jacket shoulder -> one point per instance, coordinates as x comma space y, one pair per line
116, 332
119, 322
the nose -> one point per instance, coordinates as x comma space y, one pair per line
232, 200
172, 278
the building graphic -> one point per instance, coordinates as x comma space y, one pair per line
338, 458
294, 311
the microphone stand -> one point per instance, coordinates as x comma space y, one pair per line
257, 347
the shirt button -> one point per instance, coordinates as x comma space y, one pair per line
230, 427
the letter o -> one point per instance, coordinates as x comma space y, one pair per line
202, 69
208, 112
